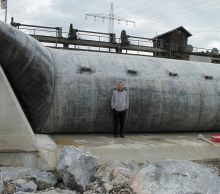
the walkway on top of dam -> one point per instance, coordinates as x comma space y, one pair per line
152, 147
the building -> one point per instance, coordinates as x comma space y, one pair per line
175, 42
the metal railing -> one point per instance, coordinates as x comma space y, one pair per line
105, 37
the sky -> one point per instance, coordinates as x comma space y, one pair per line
151, 17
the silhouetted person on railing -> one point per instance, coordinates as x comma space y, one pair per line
72, 33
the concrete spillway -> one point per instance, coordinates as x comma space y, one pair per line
69, 91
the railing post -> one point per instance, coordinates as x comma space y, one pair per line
99, 43
56, 38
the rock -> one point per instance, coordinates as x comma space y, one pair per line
19, 182
105, 180
120, 180
45, 180
29, 187
131, 164
21, 192
1, 186
76, 167
88, 192
114, 172
1, 183
7, 181
60, 185
123, 171
10, 188
175, 177
107, 168
12, 173
107, 187
98, 190
58, 191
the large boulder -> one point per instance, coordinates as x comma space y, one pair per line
175, 177
76, 167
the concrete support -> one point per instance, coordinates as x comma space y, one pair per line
44, 159
19, 146
16, 134
65, 46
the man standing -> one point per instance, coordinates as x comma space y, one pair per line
119, 104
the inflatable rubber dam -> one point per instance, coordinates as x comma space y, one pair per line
50, 98
64, 91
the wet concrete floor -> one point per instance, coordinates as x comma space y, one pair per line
152, 147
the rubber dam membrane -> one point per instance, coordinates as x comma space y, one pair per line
49, 96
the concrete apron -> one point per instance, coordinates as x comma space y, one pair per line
20, 147
141, 147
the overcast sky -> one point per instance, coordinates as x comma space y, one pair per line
199, 17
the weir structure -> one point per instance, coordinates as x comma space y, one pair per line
69, 92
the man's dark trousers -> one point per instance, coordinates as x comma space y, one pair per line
119, 116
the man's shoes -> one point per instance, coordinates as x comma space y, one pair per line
122, 136
115, 136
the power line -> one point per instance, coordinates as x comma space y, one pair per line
152, 6
187, 11
91, 22
136, 6
104, 9
184, 16
116, 7
111, 18
178, 9
124, 4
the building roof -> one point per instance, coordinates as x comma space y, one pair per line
178, 28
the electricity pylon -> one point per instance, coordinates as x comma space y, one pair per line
111, 18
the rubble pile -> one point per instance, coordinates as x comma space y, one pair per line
78, 173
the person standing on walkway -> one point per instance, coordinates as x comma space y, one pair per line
119, 104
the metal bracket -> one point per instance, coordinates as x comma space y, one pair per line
173, 74
132, 71
208, 77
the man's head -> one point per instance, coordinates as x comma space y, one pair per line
120, 86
